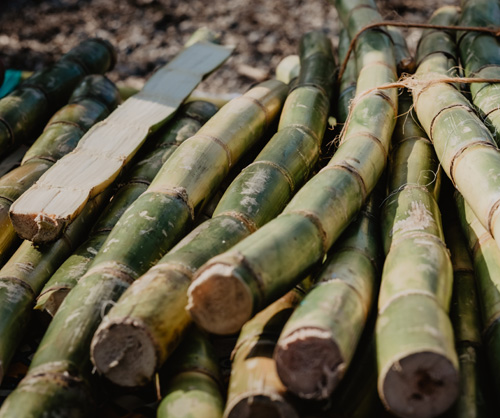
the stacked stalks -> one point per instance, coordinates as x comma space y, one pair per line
127, 297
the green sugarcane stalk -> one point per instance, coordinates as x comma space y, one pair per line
319, 340
152, 312
159, 148
356, 396
417, 362
463, 144
486, 259
480, 56
465, 317
92, 100
347, 87
12, 160
22, 278
230, 288
404, 59
25, 110
194, 387
146, 230
254, 387
288, 68
45, 209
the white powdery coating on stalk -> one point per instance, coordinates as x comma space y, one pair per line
13, 291
419, 218
252, 187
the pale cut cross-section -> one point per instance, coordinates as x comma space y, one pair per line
44, 210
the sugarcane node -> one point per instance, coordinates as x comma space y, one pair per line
61, 122
309, 363
456, 158
493, 218
317, 222
445, 53
8, 129
267, 116
219, 142
179, 193
260, 405
241, 217
219, 301
372, 137
487, 114
443, 109
351, 170
117, 271
420, 385
124, 352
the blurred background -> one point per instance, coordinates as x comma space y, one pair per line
148, 33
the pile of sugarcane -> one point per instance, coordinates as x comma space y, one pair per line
347, 275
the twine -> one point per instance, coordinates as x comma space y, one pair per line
491, 31
416, 85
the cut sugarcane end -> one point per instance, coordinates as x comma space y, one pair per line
420, 385
309, 363
261, 405
39, 228
124, 353
219, 300
50, 302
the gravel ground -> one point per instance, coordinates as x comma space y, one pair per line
148, 33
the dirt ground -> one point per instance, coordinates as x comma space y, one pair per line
148, 33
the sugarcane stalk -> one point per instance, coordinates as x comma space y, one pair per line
231, 287
160, 147
194, 387
254, 387
152, 312
22, 278
319, 340
92, 100
146, 230
404, 59
356, 396
486, 259
25, 110
12, 160
347, 87
288, 68
463, 144
43, 211
465, 317
480, 57
417, 362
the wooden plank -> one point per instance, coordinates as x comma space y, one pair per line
44, 210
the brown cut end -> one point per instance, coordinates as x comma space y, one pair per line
54, 300
38, 228
219, 301
262, 406
309, 363
124, 353
407, 65
421, 385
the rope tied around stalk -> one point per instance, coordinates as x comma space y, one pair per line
490, 31
416, 85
